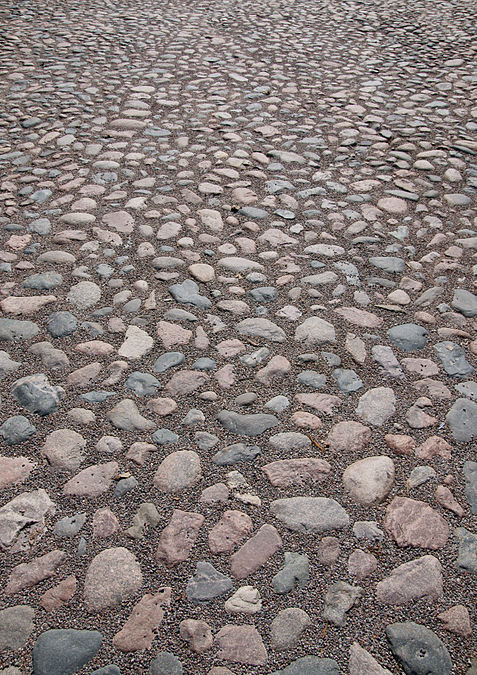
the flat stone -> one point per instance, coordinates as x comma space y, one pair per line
16, 625
207, 583
16, 429
467, 557
63, 652
36, 394
287, 627
377, 405
229, 531
408, 336
453, 359
178, 537
113, 576
233, 454
464, 302
362, 662
339, 599
301, 471
361, 564
418, 649
125, 415
241, 644
310, 514
92, 481
470, 475
186, 382
178, 471
14, 329
69, 526
59, 595
197, 633
25, 306
414, 523
261, 328
140, 628
246, 600
462, 420
417, 579
137, 343
315, 331
14, 470
247, 425
348, 436
294, 573
64, 449
27, 575
23, 519
255, 552
84, 295
456, 620
310, 665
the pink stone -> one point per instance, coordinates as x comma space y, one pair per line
422, 367
286, 472
401, 444
171, 334
276, 368
140, 629
328, 550
197, 634
324, 403
225, 376
94, 348
414, 523
25, 305
215, 494
83, 376
231, 528
348, 437
113, 576
92, 481
186, 382
241, 644
14, 470
434, 446
178, 471
217, 670
139, 452
121, 221
361, 564
105, 524
178, 537
18, 241
59, 595
228, 348
162, 406
415, 580
359, 317
457, 620
362, 662
305, 420
446, 499
29, 574
432, 388
255, 552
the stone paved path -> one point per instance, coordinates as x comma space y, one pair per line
238, 337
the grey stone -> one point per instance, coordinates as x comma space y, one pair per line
256, 357
468, 389
238, 452
287, 627
64, 652
465, 302
36, 394
264, 294
277, 404
294, 573
420, 475
315, 331
310, 665
252, 212
124, 486
204, 363
247, 425
166, 663
462, 420
339, 599
310, 378
107, 670
408, 336
377, 405
470, 474
7, 365
289, 440
61, 324
168, 360
467, 557
452, 357
84, 295
188, 293
16, 625
164, 436
205, 441
70, 525
207, 583
125, 415
389, 264
14, 329
43, 281
310, 514
262, 328
16, 429
142, 384
347, 380
367, 529
418, 649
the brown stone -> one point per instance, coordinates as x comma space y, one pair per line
162, 406
328, 550
215, 494
178, 537
305, 420
361, 564
287, 472
432, 388
92, 481
82, 377
241, 644
414, 523
457, 620
178, 471
445, 498
417, 579
231, 528
59, 595
29, 574
400, 444
348, 437
197, 634
113, 576
255, 552
139, 630
14, 470
105, 524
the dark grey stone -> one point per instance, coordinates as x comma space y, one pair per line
408, 336
462, 420
264, 294
166, 663
204, 440
204, 363
36, 394
247, 425
164, 436
294, 573
252, 212
418, 649
16, 625
16, 429
452, 357
60, 324
207, 583
238, 452
470, 473
142, 384
347, 380
124, 486
43, 281
467, 557
97, 396
168, 360
64, 652
188, 293
310, 378
465, 302
310, 665
107, 670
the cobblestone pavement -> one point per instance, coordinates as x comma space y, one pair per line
238, 337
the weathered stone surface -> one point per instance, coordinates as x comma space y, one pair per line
255, 552
92, 481
112, 577
310, 665
361, 662
14, 470
247, 425
125, 415
24, 519
246, 600
178, 471
418, 649
369, 480
294, 573
36, 394
64, 449
456, 620
287, 627
66, 651
414, 523
16, 625
348, 437
241, 644
416, 579
59, 595
197, 633
229, 531
339, 599
286, 472
178, 537
207, 583
139, 630
310, 514
315, 331
26, 575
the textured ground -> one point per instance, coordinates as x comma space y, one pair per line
238, 253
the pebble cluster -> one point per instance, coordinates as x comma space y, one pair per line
238, 263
